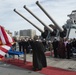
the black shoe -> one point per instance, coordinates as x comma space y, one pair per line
39, 68
68, 58
34, 69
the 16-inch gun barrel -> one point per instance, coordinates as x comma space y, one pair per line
49, 28
28, 21
60, 29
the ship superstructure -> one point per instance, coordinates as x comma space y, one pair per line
71, 25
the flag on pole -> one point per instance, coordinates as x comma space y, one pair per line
6, 41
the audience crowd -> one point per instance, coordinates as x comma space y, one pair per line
63, 48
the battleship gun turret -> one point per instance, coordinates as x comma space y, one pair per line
50, 31
28, 21
62, 31
68, 30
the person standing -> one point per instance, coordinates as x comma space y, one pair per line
61, 49
20, 45
39, 59
68, 49
55, 47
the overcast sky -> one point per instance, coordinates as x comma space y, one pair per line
58, 10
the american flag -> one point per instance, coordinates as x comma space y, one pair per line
6, 42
